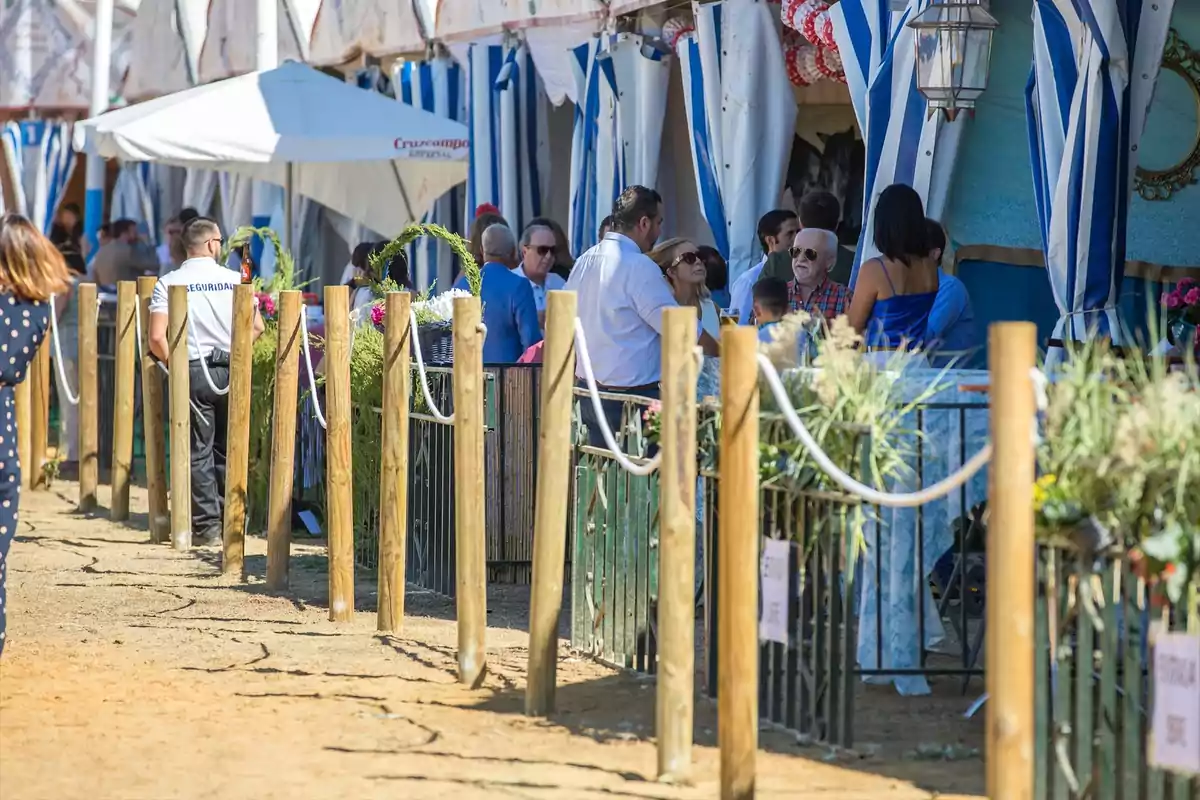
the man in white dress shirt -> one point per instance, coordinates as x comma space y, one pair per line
537, 259
621, 296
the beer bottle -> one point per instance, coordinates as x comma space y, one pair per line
247, 265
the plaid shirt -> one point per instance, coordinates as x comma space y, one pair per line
828, 300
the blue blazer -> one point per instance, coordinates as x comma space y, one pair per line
509, 312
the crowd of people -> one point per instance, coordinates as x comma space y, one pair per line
900, 300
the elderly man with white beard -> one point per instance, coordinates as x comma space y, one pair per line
814, 252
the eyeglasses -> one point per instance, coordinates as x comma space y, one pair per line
216, 239
686, 258
807, 252
542, 250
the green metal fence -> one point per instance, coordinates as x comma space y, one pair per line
1093, 688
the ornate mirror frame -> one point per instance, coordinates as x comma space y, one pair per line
1161, 184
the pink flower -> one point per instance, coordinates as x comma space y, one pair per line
1192, 298
1172, 300
377, 314
1184, 283
266, 305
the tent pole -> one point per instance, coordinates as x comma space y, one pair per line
266, 35
288, 199
101, 65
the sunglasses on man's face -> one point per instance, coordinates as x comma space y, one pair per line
690, 259
542, 250
806, 252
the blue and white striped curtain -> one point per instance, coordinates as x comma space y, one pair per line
1095, 65
132, 198
506, 117
437, 86
40, 160
622, 87
901, 140
742, 117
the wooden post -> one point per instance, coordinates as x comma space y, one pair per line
470, 548
550, 506
337, 453
126, 376
152, 420
237, 436
24, 401
737, 590
1012, 349
89, 409
39, 378
181, 418
283, 440
393, 476
677, 546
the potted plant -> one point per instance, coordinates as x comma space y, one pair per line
1183, 314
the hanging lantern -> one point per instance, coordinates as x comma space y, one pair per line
953, 50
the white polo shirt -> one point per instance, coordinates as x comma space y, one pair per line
553, 284
210, 303
621, 296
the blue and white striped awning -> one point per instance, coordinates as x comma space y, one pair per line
902, 141
742, 120
509, 139
1095, 65
437, 86
40, 159
621, 83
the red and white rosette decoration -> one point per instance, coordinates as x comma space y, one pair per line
806, 16
800, 58
829, 64
827, 34
675, 29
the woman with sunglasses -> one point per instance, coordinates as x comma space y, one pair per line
682, 266
32, 271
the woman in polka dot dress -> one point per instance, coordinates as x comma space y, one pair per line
31, 271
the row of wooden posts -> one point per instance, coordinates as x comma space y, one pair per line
1010, 574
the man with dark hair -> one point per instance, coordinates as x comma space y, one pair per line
951, 330
776, 230
125, 257
621, 297
209, 336
606, 225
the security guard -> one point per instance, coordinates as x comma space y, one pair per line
210, 313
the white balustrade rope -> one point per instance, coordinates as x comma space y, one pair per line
312, 376
874, 496
73, 399
204, 364
433, 409
645, 468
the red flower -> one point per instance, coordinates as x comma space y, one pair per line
1192, 298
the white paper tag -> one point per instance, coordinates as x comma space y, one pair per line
311, 523
773, 570
1175, 733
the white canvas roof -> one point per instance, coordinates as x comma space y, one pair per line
360, 153
346, 28
165, 51
466, 20
229, 42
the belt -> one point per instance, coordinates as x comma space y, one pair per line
604, 387
217, 358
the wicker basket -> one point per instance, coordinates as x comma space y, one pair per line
437, 342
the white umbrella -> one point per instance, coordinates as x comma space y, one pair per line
364, 155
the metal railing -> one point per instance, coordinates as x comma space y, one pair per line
1092, 686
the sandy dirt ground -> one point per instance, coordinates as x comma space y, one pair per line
133, 671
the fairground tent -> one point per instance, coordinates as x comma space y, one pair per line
370, 158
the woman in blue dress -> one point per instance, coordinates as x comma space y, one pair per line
31, 272
895, 292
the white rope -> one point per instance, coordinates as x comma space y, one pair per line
433, 409
204, 363
601, 421
873, 496
73, 399
137, 325
312, 378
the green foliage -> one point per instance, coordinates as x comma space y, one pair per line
285, 266
410, 234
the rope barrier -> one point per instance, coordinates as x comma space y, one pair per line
610, 440
204, 363
73, 399
433, 409
137, 326
848, 483
312, 378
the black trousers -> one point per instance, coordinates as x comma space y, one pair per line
612, 411
210, 420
